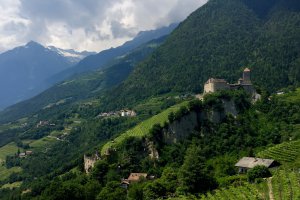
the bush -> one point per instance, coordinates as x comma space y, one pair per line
259, 171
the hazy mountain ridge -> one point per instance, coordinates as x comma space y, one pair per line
103, 58
84, 85
24, 70
73, 56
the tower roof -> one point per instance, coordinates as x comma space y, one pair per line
247, 70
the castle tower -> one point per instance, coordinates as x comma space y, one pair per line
247, 76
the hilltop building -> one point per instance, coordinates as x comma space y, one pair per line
214, 85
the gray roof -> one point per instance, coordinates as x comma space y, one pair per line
250, 162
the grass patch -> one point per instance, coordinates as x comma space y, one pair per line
291, 97
12, 185
42, 143
9, 149
5, 173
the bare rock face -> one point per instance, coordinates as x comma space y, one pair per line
184, 127
179, 129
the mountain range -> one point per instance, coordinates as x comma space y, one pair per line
32, 68
24, 69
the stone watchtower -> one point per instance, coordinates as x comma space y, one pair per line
247, 76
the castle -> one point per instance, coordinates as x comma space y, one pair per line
213, 85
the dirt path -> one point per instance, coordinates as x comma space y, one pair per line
271, 196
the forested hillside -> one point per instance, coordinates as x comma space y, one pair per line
219, 40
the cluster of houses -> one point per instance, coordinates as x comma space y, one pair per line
121, 113
44, 123
25, 154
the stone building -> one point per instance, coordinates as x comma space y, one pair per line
214, 85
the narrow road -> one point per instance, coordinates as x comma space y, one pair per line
271, 196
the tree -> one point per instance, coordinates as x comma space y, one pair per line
112, 191
193, 175
92, 188
259, 171
99, 171
135, 191
154, 190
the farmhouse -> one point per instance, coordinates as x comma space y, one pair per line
247, 163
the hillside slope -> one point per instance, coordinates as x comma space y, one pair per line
219, 40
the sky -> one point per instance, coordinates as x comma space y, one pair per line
92, 25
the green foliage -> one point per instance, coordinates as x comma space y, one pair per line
193, 175
259, 171
135, 192
99, 171
154, 190
112, 191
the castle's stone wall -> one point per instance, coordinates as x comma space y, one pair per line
213, 85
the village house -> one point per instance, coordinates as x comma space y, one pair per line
247, 163
22, 155
25, 154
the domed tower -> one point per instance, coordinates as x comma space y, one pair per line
247, 76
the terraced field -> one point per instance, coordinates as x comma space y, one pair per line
9, 149
249, 191
284, 185
143, 128
5, 173
285, 152
12, 185
42, 143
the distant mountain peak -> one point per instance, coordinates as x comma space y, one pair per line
33, 44
72, 55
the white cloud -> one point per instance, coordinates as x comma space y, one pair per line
85, 24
